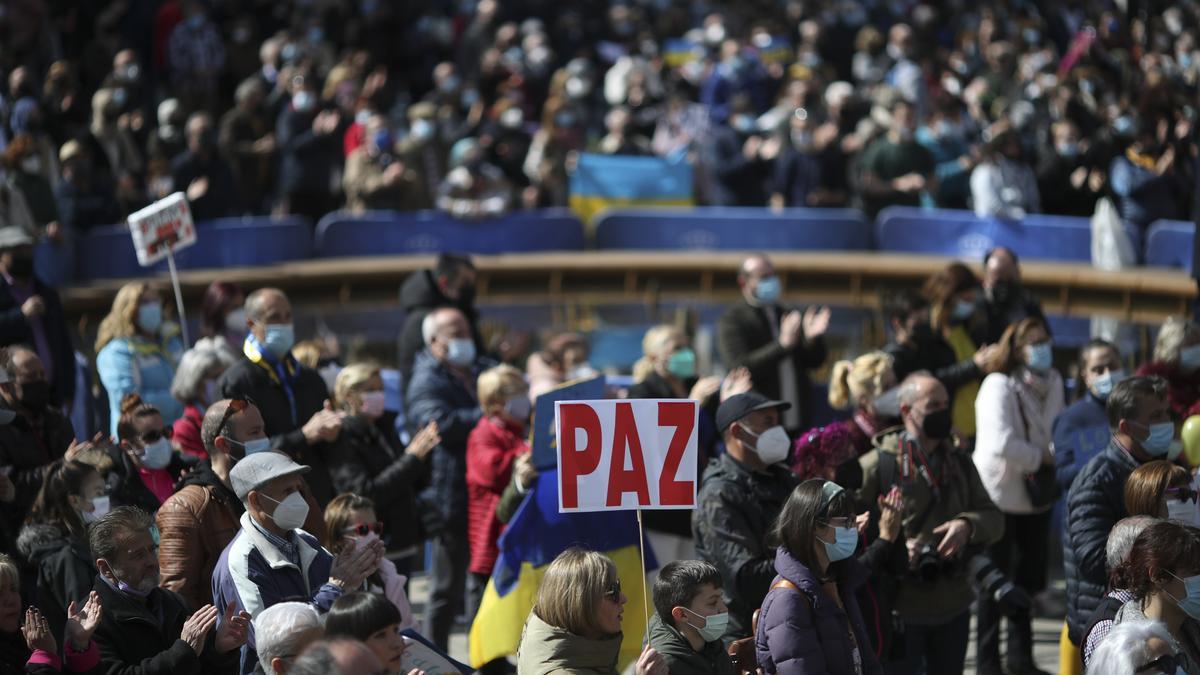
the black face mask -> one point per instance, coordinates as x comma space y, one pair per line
21, 267
937, 424
35, 396
1004, 292
466, 295
922, 332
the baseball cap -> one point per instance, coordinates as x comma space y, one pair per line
254, 471
736, 407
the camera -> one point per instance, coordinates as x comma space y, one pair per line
984, 574
928, 565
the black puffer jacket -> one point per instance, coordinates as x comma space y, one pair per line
1094, 504
65, 570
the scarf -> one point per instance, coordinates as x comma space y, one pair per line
282, 372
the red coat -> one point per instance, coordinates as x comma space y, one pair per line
1183, 389
186, 432
491, 449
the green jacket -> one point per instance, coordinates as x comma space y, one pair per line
963, 496
547, 650
681, 658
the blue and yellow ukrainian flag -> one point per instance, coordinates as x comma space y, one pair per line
604, 181
680, 51
535, 536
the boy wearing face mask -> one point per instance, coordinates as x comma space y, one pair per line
689, 619
946, 510
741, 494
1081, 431
271, 559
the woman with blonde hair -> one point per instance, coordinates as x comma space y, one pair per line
859, 385
575, 625
1161, 489
369, 459
135, 355
351, 520
1177, 360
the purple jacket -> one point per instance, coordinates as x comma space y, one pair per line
807, 635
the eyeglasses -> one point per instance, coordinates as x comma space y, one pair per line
154, 435
1167, 663
1182, 494
614, 592
841, 522
363, 529
236, 405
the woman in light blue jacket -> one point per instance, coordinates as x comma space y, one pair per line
136, 352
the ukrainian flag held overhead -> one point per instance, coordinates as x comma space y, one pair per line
605, 181
535, 536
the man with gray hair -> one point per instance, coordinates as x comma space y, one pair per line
247, 138
282, 632
211, 189
292, 398
1120, 543
443, 390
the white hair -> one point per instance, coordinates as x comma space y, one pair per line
277, 627
1124, 648
1174, 332
1121, 538
194, 367
429, 327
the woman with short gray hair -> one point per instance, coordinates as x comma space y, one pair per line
195, 386
1177, 360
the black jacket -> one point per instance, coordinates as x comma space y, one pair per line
29, 447
247, 379
125, 484
369, 460
1095, 503
745, 338
681, 658
136, 640
418, 296
737, 507
15, 329
936, 356
999, 316
65, 570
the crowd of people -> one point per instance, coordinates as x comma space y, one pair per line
480, 107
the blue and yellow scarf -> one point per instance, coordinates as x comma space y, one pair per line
284, 373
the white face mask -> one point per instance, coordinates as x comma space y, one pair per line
772, 445
290, 513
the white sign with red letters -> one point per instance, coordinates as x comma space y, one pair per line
163, 227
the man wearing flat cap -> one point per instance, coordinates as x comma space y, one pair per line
741, 494
271, 559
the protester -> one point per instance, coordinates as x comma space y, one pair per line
945, 526
564, 359
1016, 407
368, 459
133, 355
148, 627
148, 467
1140, 421
473, 188
1116, 553
1138, 647
1176, 359
282, 632
1161, 489
1005, 301
31, 313
203, 174
451, 283
441, 391
33, 646
375, 178
1161, 569
896, 170
350, 522
575, 624
54, 539
741, 493
860, 385
687, 591
195, 385
810, 621
1004, 184
492, 448
1081, 431
371, 619
292, 398
777, 345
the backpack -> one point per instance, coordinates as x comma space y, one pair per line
741, 652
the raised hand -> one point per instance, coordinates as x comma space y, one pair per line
705, 387
37, 632
891, 514
790, 329
196, 628
524, 469
83, 622
233, 629
815, 322
354, 564
738, 381
425, 441
955, 535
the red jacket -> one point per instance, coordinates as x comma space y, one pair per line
1183, 389
491, 449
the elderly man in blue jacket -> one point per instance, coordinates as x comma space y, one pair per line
272, 560
443, 389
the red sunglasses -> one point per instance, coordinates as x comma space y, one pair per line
363, 529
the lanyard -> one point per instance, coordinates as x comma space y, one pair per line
915, 452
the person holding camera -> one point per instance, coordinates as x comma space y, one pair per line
948, 516
1015, 410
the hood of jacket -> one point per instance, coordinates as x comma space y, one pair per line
545, 649
38, 540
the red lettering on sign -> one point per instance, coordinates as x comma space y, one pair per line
576, 461
620, 479
682, 416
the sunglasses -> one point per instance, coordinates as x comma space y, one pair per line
614, 592
1182, 494
236, 405
154, 435
363, 529
1167, 663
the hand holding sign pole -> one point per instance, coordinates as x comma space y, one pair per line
620, 455
158, 231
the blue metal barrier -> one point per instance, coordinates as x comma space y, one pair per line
344, 234
1170, 243
963, 234
733, 228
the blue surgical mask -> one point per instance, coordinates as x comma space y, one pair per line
768, 289
157, 455
714, 625
1104, 384
461, 351
844, 544
962, 310
149, 317
682, 364
279, 338
252, 447
1190, 603
1158, 443
1189, 358
1039, 357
